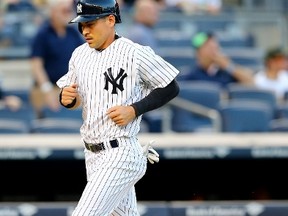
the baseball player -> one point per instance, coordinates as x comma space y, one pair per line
115, 81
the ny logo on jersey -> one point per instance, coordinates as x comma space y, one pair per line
110, 79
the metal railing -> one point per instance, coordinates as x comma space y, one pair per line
192, 107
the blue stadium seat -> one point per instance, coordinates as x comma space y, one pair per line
240, 91
25, 115
174, 42
62, 113
181, 58
12, 126
204, 93
246, 56
242, 116
283, 110
279, 125
56, 125
61, 121
286, 96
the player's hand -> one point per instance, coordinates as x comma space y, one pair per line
69, 93
151, 154
121, 115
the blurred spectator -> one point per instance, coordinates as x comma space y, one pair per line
41, 5
195, 6
50, 53
213, 65
18, 5
275, 74
145, 17
123, 5
11, 101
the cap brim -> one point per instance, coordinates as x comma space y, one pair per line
82, 18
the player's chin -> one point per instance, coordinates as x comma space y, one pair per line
91, 44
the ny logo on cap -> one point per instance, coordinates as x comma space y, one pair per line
79, 8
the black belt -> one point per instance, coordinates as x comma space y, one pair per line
100, 146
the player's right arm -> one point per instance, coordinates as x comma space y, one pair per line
69, 97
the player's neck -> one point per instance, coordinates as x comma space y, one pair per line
115, 38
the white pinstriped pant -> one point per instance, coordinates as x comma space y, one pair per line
111, 176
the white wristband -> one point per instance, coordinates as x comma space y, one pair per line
46, 87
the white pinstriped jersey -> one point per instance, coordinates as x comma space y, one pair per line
122, 74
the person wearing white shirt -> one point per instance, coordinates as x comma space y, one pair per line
275, 74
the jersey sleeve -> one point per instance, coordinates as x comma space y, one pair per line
70, 77
154, 69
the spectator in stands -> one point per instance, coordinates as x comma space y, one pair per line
275, 74
19, 5
195, 6
11, 101
212, 65
145, 17
50, 53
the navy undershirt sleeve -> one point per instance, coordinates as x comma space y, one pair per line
157, 98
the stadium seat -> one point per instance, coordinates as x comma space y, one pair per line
246, 56
61, 121
181, 58
279, 125
56, 125
25, 115
242, 115
239, 91
204, 93
283, 110
174, 42
286, 96
62, 113
12, 126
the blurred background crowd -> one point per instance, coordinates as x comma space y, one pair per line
232, 55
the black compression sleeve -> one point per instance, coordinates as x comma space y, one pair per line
157, 98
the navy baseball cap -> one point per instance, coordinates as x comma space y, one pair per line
200, 38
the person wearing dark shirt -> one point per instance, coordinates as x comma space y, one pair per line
50, 53
212, 65
145, 17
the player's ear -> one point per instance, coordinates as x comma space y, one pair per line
111, 19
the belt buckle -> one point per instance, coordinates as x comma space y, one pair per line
99, 147
89, 146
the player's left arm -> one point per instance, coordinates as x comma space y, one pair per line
158, 97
